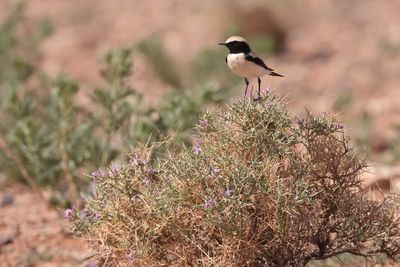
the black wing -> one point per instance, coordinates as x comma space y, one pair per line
226, 59
257, 60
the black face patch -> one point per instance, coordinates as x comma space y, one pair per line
237, 47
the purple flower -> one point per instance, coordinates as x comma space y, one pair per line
134, 198
197, 148
115, 169
209, 203
338, 126
146, 181
300, 122
137, 161
151, 170
228, 192
95, 216
214, 173
98, 174
84, 214
89, 215
202, 124
325, 114
130, 257
134, 162
68, 214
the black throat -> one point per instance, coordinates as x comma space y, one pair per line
237, 47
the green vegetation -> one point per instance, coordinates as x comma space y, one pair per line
49, 140
344, 100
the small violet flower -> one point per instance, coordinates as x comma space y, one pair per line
338, 126
68, 214
137, 161
228, 192
202, 124
151, 170
115, 169
96, 216
214, 173
134, 162
197, 148
84, 214
209, 203
130, 257
146, 181
300, 122
134, 198
91, 216
98, 174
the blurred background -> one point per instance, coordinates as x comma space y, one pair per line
57, 74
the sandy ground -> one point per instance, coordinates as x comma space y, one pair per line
332, 48
34, 234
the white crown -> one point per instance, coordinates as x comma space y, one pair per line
235, 38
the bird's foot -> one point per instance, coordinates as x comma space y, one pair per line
257, 99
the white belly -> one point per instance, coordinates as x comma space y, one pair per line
240, 66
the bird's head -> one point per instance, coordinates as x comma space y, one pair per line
237, 44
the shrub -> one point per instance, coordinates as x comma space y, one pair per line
259, 188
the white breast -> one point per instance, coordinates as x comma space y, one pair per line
240, 66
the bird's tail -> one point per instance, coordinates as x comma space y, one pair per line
272, 73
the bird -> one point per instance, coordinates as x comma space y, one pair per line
244, 62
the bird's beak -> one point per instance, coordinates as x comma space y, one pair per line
222, 43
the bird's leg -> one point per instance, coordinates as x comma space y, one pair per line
259, 89
247, 85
